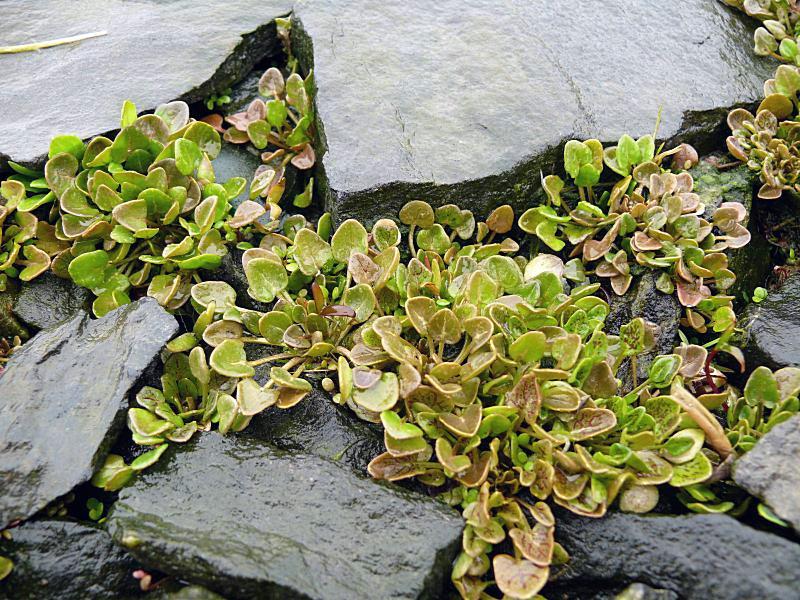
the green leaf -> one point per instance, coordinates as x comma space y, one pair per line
350, 237
89, 269
628, 153
761, 389
187, 156
128, 116
229, 359
71, 144
277, 113
576, 155
266, 277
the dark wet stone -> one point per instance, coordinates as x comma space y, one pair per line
771, 471
64, 398
695, 556
268, 524
773, 327
154, 52
752, 263
49, 300
55, 560
466, 102
319, 426
662, 310
237, 161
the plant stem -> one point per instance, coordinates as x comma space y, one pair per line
49, 43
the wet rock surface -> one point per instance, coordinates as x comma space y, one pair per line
752, 263
466, 102
318, 426
188, 54
62, 559
277, 525
773, 327
49, 300
662, 310
694, 556
64, 397
771, 471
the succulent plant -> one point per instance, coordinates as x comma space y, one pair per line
768, 141
649, 219
492, 376
777, 37
282, 127
140, 213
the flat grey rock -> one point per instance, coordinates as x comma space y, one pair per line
64, 397
696, 556
318, 426
267, 524
771, 470
154, 52
49, 300
55, 560
456, 101
773, 328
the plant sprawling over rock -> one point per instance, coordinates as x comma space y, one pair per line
491, 374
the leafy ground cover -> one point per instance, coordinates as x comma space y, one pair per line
480, 346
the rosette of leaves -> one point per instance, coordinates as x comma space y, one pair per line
141, 212
282, 127
768, 141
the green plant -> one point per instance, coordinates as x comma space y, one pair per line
218, 100
777, 37
768, 141
6, 566
759, 294
283, 128
649, 219
141, 212
494, 381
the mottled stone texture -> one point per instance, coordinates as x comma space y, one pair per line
64, 397
250, 522
465, 101
154, 52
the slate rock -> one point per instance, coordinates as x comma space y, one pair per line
696, 556
773, 327
466, 102
662, 310
154, 52
62, 559
236, 160
771, 470
318, 426
64, 398
49, 300
247, 521
752, 263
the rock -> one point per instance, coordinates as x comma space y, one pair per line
154, 52
64, 398
318, 426
752, 263
236, 161
49, 300
62, 559
695, 556
771, 471
773, 328
268, 524
466, 102
662, 310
